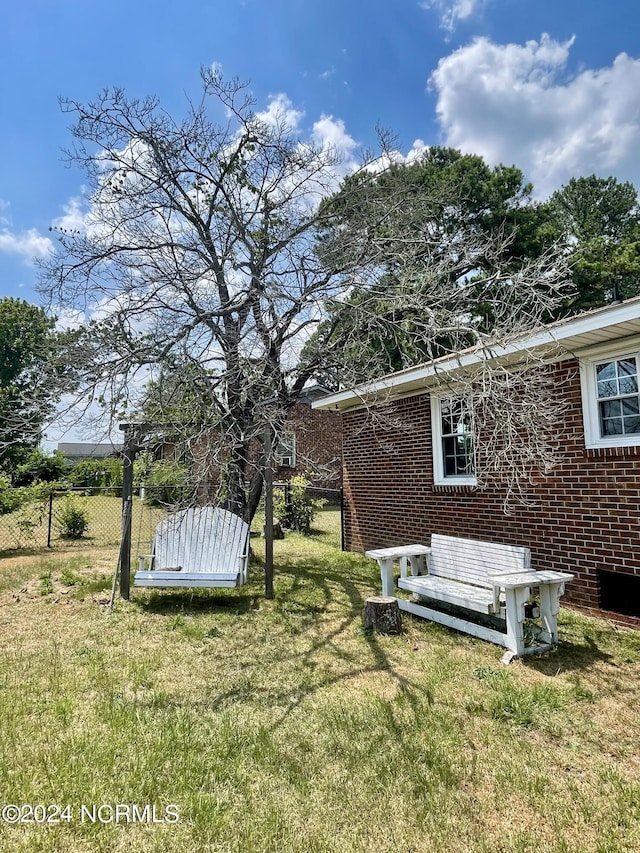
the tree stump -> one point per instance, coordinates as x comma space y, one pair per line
381, 612
278, 532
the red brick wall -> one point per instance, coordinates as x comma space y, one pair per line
318, 446
586, 513
318, 449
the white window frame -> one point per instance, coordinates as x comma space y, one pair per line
439, 476
287, 440
589, 390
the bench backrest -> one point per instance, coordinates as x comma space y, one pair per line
472, 562
201, 539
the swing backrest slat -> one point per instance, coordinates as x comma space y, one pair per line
201, 539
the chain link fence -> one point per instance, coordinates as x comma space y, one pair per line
73, 518
93, 517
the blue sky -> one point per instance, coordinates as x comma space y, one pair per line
553, 87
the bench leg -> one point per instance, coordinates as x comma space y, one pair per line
404, 561
418, 565
549, 607
386, 575
515, 601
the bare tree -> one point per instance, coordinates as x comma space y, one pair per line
198, 254
200, 257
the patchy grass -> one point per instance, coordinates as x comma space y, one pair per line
281, 726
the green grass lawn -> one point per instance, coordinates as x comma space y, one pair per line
283, 726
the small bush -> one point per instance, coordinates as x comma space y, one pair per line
28, 505
97, 474
73, 519
46, 584
40, 467
292, 505
68, 577
10, 498
164, 480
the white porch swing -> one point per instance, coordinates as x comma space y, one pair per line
197, 547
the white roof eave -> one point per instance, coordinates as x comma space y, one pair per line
555, 342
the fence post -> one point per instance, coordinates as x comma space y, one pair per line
342, 518
127, 494
50, 521
287, 502
268, 512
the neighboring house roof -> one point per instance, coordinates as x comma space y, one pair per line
88, 450
555, 342
312, 393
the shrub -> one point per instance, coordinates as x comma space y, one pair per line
164, 481
28, 505
10, 498
73, 519
293, 506
97, 474
40, 467
46, 584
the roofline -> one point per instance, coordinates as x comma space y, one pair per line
413, 380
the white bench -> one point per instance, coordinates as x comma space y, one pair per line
482, 577
197, 547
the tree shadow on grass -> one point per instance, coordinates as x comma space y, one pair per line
192, 602
326, 655
318, 602
569, 656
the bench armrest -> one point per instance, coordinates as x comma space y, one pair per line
142, 559
548, 576
514, 580
398, 551
402, 554
532, 578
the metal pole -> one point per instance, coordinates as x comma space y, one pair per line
268, 513
127, 493
50, 521
126, 525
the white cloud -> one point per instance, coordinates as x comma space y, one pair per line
28, 244
394, 156
69, 318
515, 104
417, 150
452, 11
73, 219
330, 134
281, 113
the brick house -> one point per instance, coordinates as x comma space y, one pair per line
403, 485
311, 443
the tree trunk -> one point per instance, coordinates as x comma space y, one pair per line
381, 612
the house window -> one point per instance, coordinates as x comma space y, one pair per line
618, 409
285, 452
611, 400
453, 450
